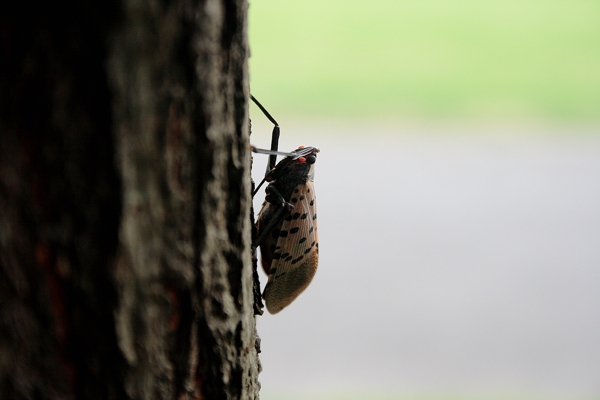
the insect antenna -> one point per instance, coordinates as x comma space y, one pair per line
265, 151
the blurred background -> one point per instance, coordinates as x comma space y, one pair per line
458, 191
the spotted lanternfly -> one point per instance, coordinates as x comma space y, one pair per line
286, 228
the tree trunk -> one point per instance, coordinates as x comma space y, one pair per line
125, 264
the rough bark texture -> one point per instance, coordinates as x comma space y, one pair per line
125, 265
184, 272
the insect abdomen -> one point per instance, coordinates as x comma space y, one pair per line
282, 289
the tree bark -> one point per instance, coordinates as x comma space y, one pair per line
125, 228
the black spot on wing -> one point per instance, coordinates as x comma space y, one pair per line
297, 231
279, 275
297, 259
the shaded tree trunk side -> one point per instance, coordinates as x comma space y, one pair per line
60, 204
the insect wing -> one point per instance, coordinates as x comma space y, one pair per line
296, 253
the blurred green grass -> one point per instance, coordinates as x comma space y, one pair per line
426, 59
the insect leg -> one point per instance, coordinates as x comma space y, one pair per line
274, 135
283, 211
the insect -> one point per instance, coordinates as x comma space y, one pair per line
286, 227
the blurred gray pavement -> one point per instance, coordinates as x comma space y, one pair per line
454, 260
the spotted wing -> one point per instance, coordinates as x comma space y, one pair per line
296, 254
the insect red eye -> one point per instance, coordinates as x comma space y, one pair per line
301, 159
300, 147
